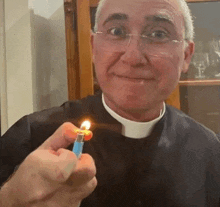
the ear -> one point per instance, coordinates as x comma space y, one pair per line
188, 53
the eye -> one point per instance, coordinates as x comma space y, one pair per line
156, 36
117, 32
159, 34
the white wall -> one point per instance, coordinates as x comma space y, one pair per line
18, 59
50, 75
3, 82
36, 76
50, 63
45, 8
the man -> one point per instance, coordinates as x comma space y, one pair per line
145, 153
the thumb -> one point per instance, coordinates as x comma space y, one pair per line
56, 167
62, 137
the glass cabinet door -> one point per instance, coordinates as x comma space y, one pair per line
200, 86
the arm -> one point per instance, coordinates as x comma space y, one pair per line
51, 174
15, 145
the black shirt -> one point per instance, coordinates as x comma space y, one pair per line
177, 165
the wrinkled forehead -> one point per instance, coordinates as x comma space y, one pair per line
141, 11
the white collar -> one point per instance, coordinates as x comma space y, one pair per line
133, 129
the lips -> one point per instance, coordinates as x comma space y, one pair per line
134, 78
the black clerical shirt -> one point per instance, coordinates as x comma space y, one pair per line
177, 165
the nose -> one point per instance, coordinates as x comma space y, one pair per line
133, 54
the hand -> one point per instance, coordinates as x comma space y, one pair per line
52, 175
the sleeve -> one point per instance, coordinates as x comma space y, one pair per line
15, 145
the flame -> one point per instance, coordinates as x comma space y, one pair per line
85, 125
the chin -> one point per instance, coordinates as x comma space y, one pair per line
133, 99
135, 103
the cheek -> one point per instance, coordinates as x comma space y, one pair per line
168, 66
167, 71
103, 61
100, 66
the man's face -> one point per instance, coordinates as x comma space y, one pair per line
141, 75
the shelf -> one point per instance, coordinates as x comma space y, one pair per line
199, 82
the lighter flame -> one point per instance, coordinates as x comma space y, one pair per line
86, 124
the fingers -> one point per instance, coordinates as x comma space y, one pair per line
62, 137
63, 166
56, 166
87, 188
84, 172
83, 181
92, 184
60, 166
66, 164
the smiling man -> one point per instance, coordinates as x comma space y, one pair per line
139, 53
146, 153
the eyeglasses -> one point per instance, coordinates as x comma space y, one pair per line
116, 39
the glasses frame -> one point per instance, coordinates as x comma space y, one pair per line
144, 36
149, 43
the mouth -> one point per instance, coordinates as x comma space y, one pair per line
134, 79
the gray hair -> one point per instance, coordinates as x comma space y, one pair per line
189, 28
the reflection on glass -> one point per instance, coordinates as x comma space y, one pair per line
207, 40
200, 86
201, 62
214, 53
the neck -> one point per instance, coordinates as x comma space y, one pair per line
136, 114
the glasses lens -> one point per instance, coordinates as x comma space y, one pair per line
115, 37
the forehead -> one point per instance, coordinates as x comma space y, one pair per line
139, 11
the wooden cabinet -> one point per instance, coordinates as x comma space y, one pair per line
202, 79
200, 87
78, 48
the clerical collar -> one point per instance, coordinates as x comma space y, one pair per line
133, 129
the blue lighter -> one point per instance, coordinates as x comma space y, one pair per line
78, 144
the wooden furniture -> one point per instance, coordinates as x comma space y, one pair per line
79, 56
200, 96
78, 49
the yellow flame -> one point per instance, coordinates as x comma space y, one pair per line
86, 124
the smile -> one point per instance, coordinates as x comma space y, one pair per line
134, 79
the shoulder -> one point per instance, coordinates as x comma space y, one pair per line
32, 130
68, 110
44, 123
35, 128
191, 139
197, 147
191, 131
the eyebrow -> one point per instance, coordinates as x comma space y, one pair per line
116, 16
154, 18
160, 18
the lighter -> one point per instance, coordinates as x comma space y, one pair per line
78, 144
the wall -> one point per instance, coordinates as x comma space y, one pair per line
35, 66
18, 60
3, 98
50, 82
